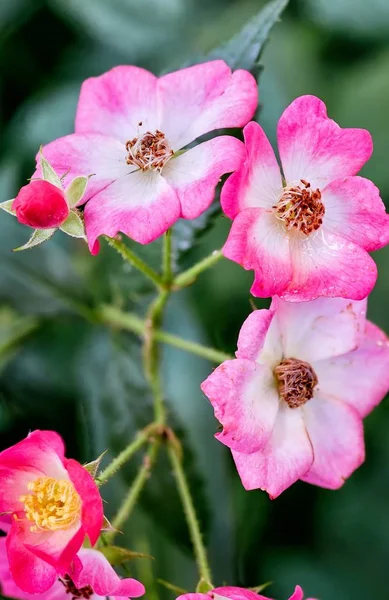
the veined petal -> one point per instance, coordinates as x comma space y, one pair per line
325, 264
355, 211
141, 205
258, 241
83, 155
195, 174
314, 147
199, 99
359, 378
257, 183
336, 433
286, 457
245, 400
320, 329
115, 103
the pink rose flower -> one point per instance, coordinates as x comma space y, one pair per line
237, 593
131, 128
41, 205
306, 233
292, 402
96, 579
54, 503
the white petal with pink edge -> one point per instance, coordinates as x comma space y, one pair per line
285, 458
257, 241
202, 98
355, 211
323, 328
245, 400
195, 174
116, 102
258, 183
336, 433
359, 378
314, 148
141, 205
253, 334
328, 265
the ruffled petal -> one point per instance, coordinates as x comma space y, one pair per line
253, 333
314, 148
336, 433
116, 102
257, 241
298, 594
199, 99
92, 504
98, 573
258, 183
90, 154
286, 457
325, 264
359, 378
323, 328
355, 211
245, 400
30, 573
195, 174
236, 593
141, 205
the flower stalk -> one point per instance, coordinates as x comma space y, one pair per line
134, 260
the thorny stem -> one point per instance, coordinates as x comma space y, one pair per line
130, 322
190, 514
134, 260
188, 277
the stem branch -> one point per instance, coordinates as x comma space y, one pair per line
134, 260
188, 277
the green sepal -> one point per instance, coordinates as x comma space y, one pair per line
204, 586
48, 172
260, 588
172, 587
38, 237
7, 206
107, 525
75, 190
93, 466
74, 225
118, 556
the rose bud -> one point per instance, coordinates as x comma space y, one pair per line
41, 205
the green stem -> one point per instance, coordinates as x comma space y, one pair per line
190, 514
130, 322
134, 260
188, 277
125, 455
167, 257
135, 490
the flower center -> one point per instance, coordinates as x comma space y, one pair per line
53, 504
70, 588
150, 151
301, 208
296, 381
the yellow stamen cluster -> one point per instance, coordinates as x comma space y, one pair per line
52, 504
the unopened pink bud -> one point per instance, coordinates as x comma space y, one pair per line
41, 205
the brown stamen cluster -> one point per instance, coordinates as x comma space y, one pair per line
84, 592
150, 151
300, 208
296, 381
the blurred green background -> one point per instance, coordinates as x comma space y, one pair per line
59, 370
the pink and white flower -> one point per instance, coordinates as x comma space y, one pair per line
306, 233
131, 128
53, 503
96, 579
292, 402
236, 593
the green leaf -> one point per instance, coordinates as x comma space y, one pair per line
116, 555
38, 237
243, 51
75, 190
74, 226
48, 172
7, 206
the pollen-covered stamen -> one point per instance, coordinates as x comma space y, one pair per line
296, 381
149, 151
301, 208
84, 592
52, 504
